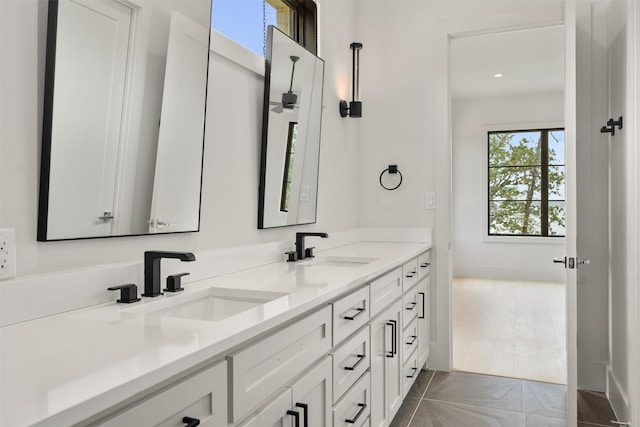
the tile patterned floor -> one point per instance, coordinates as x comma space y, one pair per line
458, 399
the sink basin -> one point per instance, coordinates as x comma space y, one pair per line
211, 304
338, 261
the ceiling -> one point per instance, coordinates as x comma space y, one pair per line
531, 61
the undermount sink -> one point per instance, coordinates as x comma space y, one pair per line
211, 304
338, 261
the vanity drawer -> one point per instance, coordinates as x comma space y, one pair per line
424, 265
272, 362
350, 313
409, 274
384, 290
350, 361
410, 306
410, 371
410, 339
202, 396
354, 408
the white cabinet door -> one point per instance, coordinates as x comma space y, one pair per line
312, 396
424, 323
386, 365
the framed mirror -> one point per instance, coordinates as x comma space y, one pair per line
292, 116
124, 111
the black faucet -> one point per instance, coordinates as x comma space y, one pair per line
152, 269
300, 251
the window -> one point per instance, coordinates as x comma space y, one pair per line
288, 167
245, 21
526, 177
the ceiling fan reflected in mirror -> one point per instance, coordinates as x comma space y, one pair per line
289, 99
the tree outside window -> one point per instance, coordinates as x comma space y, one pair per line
526, 183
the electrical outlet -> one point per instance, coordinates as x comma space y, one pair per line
7, 253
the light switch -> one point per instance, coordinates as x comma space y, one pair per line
429, 200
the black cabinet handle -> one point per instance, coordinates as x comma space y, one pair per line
394, 347
360, 311
409, 276
362, 406
190, 422
423, 307
411, 306
305, 413
413, 372
360, 359
425, 265
296, 417
415, 337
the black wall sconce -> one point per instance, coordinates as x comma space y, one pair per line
353, 108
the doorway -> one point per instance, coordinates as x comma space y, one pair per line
507, 114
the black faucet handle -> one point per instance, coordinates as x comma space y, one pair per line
308, 252
174, 282
291, 256
128, 293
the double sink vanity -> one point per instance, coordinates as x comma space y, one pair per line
333, 340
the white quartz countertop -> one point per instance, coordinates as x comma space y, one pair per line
60, 370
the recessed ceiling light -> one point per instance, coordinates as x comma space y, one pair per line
498, 75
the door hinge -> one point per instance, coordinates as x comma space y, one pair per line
571, 262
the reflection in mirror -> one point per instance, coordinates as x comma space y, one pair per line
123, 132
292, 115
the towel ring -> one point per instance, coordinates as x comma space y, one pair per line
392, 169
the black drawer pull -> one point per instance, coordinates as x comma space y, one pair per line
423, 306
414, 370
296, 417
425, 265
411, 306
360, 311
362, 406
360, 359
305, 413
415, 337
190, 422
410, 275
394, 348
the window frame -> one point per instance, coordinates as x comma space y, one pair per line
506, 238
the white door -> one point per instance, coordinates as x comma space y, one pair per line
175, 204
91, 63
571, 210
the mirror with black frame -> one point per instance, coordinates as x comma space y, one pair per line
292, 116
124, 112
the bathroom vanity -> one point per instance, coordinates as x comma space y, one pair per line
335, 340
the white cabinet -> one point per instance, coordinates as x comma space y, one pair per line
386, 364
424, 308
350, 361
202, 396
350, 313
273, 362
306, 403
384, 290
354, 408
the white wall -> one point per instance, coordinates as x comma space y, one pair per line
622, 280
473, 254
232, 149
403, 68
